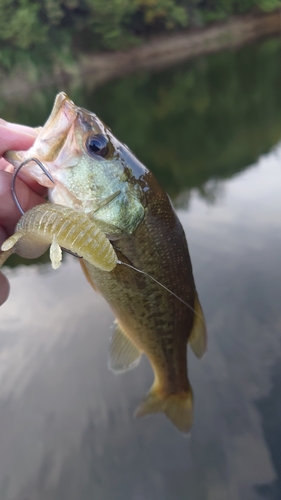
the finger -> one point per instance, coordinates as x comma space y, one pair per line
37, 188
3, 164
4, 289
18, 137
9, 213
13, 138
4, 283
22, 129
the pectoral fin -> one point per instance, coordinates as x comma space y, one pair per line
198, 337
123, 354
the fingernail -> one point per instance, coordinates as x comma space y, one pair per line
3, 122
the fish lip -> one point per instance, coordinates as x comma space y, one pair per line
60, 100
50, 138
55, 125
51, 146
62, 103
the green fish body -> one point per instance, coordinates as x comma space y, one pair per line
151, 290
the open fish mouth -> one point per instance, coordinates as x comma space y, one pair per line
82, 164
50, 140
95, 177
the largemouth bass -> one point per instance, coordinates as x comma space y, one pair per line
157, 309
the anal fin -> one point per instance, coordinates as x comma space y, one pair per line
198, 337
123, 354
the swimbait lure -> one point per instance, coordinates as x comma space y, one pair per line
60, 226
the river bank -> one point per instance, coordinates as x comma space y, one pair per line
157, 53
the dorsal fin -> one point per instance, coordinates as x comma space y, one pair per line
198, 337
123, 354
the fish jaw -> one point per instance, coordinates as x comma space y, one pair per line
49, 146
108, 187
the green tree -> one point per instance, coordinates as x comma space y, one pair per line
58, 30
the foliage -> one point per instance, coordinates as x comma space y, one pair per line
40, 31
165, 10
205, 120
268, 5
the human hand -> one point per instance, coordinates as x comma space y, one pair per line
29, 193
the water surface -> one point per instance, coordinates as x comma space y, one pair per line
66, 422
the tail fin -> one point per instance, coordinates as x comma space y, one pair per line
177, 407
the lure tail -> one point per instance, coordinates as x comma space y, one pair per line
177, 407
4, 255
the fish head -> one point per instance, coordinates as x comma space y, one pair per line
92, 171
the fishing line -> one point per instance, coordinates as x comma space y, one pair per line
43, 168
160, 284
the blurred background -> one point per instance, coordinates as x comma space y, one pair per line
209, 127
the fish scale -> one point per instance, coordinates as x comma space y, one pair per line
151, 291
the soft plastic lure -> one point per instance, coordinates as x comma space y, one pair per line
60, 226
65, 228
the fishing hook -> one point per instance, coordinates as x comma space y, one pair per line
15, 174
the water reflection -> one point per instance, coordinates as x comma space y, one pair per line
66, 423
208, 118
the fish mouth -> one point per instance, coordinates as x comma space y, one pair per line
55, 130
49, 141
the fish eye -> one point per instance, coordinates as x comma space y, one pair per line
97, 145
